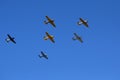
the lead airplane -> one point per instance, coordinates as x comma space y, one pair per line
43, 55
85, 22
50, 21
48, 36
77, 38
10, 39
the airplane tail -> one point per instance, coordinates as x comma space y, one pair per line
73, 38
40, 56
7, 40
45, 22
45, 38
79, 23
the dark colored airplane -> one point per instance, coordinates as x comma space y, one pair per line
85, 22
43, 55
77, 38
10, 39
48, 36
50, 21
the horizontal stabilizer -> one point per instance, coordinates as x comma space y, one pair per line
45, 37
79, 23
74, 38
45, 22
7, 40
40, 56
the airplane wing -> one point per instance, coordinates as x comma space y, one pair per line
75, 34
48, 18
81, 20
85, 24
42, 53
53, 24
9, 36
80, 39
47, 33
75, 38
52, 40
46, 57
13, 41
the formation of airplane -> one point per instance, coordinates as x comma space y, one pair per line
51, 37
85, 22
50, 21
48, 36
77, 38
43, 55
10, 39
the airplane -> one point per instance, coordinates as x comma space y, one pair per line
77, 38
10, 39
43, 55
50, 21
48, 36
85, 22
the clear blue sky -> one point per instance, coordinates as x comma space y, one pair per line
98, 58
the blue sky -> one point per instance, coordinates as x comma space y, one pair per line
95, 59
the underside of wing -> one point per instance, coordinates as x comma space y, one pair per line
47, 33
8, 35
81, 20
85, 24
53, 24
52, 40
80, 39
46, 57
13, 41
75, 35
48, 18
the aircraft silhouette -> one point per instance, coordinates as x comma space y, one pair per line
77, 38
43, 55
50, 21
85, 22
48, 36
10, 39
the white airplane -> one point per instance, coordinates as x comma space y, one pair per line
43, 55
77, 38
85, 22
50, 21
48, 36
